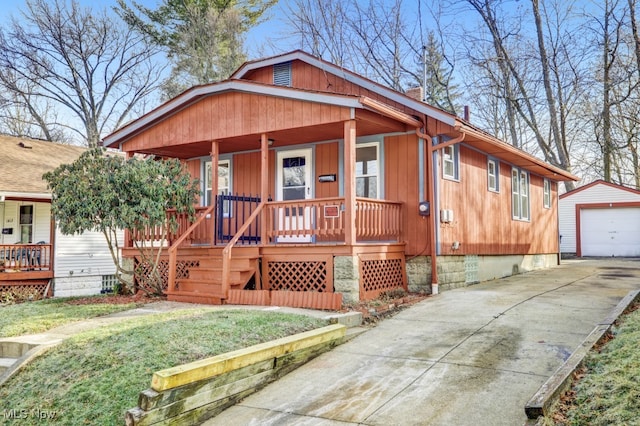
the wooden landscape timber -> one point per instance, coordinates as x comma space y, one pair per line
194, 392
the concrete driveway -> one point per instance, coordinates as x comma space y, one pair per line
471, 356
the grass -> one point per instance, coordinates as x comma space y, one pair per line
94, 377
43, 315
609, 392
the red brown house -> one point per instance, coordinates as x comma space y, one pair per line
340, 189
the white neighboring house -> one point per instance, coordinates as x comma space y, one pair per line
600, 219
34, 255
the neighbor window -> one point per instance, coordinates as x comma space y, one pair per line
367, 170
224, 182
450, 162
26, 224
493, 174
520, 194
546, 196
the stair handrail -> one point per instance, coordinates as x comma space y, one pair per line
226, 252
173, 249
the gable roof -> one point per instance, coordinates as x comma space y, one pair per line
474, 136
196, 93
600, 182
24, 161
351, 77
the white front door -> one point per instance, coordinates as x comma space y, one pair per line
294, 182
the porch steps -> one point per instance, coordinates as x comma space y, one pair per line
193, 297
204, 284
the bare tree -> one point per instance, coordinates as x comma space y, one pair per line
555, 62
379, 40
91, 68
321, 27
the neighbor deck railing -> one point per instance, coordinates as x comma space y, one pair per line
25, 257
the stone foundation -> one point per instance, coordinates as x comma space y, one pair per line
346, 278
461, 271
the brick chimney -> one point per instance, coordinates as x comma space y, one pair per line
415, 93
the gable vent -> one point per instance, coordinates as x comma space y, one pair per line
282, 74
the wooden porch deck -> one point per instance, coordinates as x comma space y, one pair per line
288, 261
26, 269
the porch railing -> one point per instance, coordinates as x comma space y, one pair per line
322, 220
25, 257
201, 235
232, 213
378, 219
217, 227
173, 250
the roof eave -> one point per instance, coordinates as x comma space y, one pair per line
116, 138
350, 76
555, 173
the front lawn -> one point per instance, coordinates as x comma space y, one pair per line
94, 377
609, 391
43, 315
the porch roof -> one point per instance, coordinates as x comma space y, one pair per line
236, 112
24, 161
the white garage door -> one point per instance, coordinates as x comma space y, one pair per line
610, 232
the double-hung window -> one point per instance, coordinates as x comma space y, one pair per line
368, 170
224, 183
450, 162
546, 195
493, 175
520, 194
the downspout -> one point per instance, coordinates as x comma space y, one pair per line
431, 148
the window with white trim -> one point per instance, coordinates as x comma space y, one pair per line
546, 193
450, 162
224, 182
26, 224
520, 194
368, 170
493, 175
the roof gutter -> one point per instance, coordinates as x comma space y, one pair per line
18, 196
470, 131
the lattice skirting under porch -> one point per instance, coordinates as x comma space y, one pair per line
305, 273
36, 289
143, 270
381, 272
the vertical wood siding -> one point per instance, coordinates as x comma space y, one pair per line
327, 164
234, 114
401, 175
194, 168
483, 221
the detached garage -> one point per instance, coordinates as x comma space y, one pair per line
600, 219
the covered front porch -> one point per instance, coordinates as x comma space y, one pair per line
26, 252
294, 219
